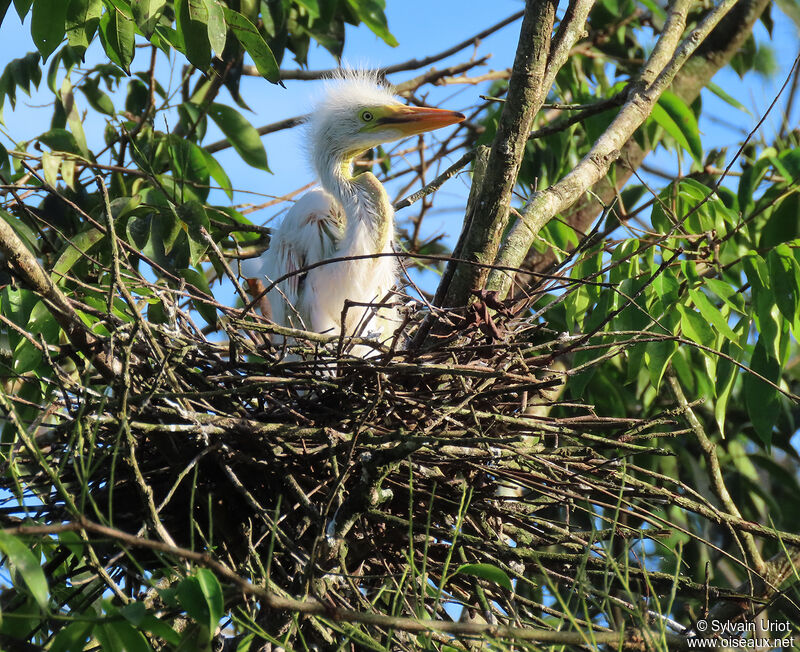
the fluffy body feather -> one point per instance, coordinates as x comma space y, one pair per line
349, 216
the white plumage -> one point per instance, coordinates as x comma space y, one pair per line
349, 216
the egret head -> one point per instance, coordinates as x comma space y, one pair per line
357, 113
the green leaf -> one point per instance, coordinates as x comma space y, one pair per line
726, 377
241, 134
47, 25
193, 215
487, 572
50, 166
27, 565
119, 635
193, 600
217, 28
712, 314
76, 248
656, 358
695, 327
97, 99
762, 400
60, 140
254, 45
371, 13
74, 117
82, 20
783, 275
727, 293
74, 636
721, 94
218, 173
783, 224
136, 613
117, 35
677, 119
213, 594
26, 357
200, 282
193, 30
22, 7
147, 13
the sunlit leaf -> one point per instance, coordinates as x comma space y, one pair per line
217, 28
254, 44
712, 314
678, 121
487, 572
146, 13
783, 274
241, 134
82, 20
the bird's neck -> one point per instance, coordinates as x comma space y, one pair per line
366, 205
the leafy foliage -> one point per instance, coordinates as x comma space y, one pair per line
554, 460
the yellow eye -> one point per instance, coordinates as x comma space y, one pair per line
367, 116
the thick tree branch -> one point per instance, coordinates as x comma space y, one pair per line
489, 213
547, 203
714, 53
31, 272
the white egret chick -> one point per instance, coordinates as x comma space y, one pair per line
349, 215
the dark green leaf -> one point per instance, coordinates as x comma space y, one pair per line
98, 100
677, 130
487, 572
200, 282
22, 7
371, 13
193, 600
47, 25
136, 613
194, 32
117, 35
241, 134
77, 247
27, 565
119, 635
82, 20
783, 273
4, 5
783, 225
60, 140
74, 636
762, 400
254, 44
26, 357
656, 358
194, 217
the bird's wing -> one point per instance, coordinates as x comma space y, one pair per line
309, 233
